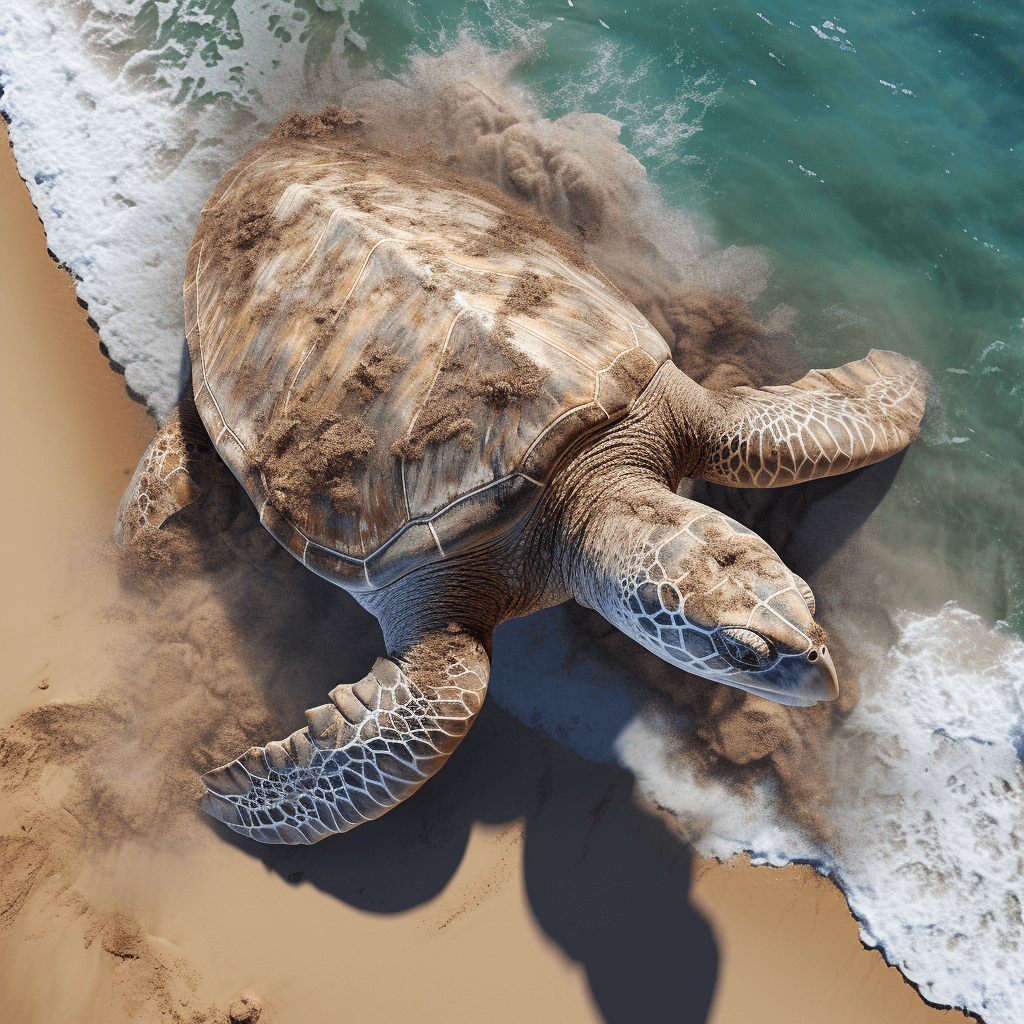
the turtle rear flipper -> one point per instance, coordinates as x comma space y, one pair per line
826, 423
359, 756
178, 465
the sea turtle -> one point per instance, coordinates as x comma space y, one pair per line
438, 403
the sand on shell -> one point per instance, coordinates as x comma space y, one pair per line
522, 884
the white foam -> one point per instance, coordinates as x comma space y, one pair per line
614, 77
119, 170
929, 816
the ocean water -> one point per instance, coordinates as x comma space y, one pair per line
861, 165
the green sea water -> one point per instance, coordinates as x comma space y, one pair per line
875, 152
872, 150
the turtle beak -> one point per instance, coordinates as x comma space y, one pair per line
796, 680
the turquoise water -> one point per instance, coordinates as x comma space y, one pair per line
872, 150
875, 151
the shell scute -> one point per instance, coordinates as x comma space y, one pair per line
388, 361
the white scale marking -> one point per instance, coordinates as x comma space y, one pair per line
552, 425
477, 270
327, 228
534, 334
433, 533
396, 535
235, 179
288, 393
331, 163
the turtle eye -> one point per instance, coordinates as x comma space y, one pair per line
744, 649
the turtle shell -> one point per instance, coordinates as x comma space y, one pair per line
392, 360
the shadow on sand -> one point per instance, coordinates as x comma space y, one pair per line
607, 881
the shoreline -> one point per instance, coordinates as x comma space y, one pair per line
780, 944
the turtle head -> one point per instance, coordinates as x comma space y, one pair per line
712, 597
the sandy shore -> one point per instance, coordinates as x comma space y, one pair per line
546, 895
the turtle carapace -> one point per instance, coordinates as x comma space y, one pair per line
436, 402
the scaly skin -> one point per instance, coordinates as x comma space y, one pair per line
178, 464
688, 583
373, 746
706, 594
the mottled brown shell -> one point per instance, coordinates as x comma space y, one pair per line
392, 361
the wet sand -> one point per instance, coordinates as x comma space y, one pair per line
523, 883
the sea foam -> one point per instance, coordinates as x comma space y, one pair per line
928, 814
119, 165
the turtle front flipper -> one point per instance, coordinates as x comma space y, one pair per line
828, 422
359, 756
173, 471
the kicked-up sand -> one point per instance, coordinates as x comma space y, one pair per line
522, 884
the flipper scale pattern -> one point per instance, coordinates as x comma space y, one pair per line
828, 422
178, 465
378, 741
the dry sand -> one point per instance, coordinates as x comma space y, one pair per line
523, 884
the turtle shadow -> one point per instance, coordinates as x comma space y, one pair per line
605, 880
809, 523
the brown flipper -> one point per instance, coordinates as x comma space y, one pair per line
828, 422
174, 470
359, 756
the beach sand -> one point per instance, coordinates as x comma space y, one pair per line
522, 884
